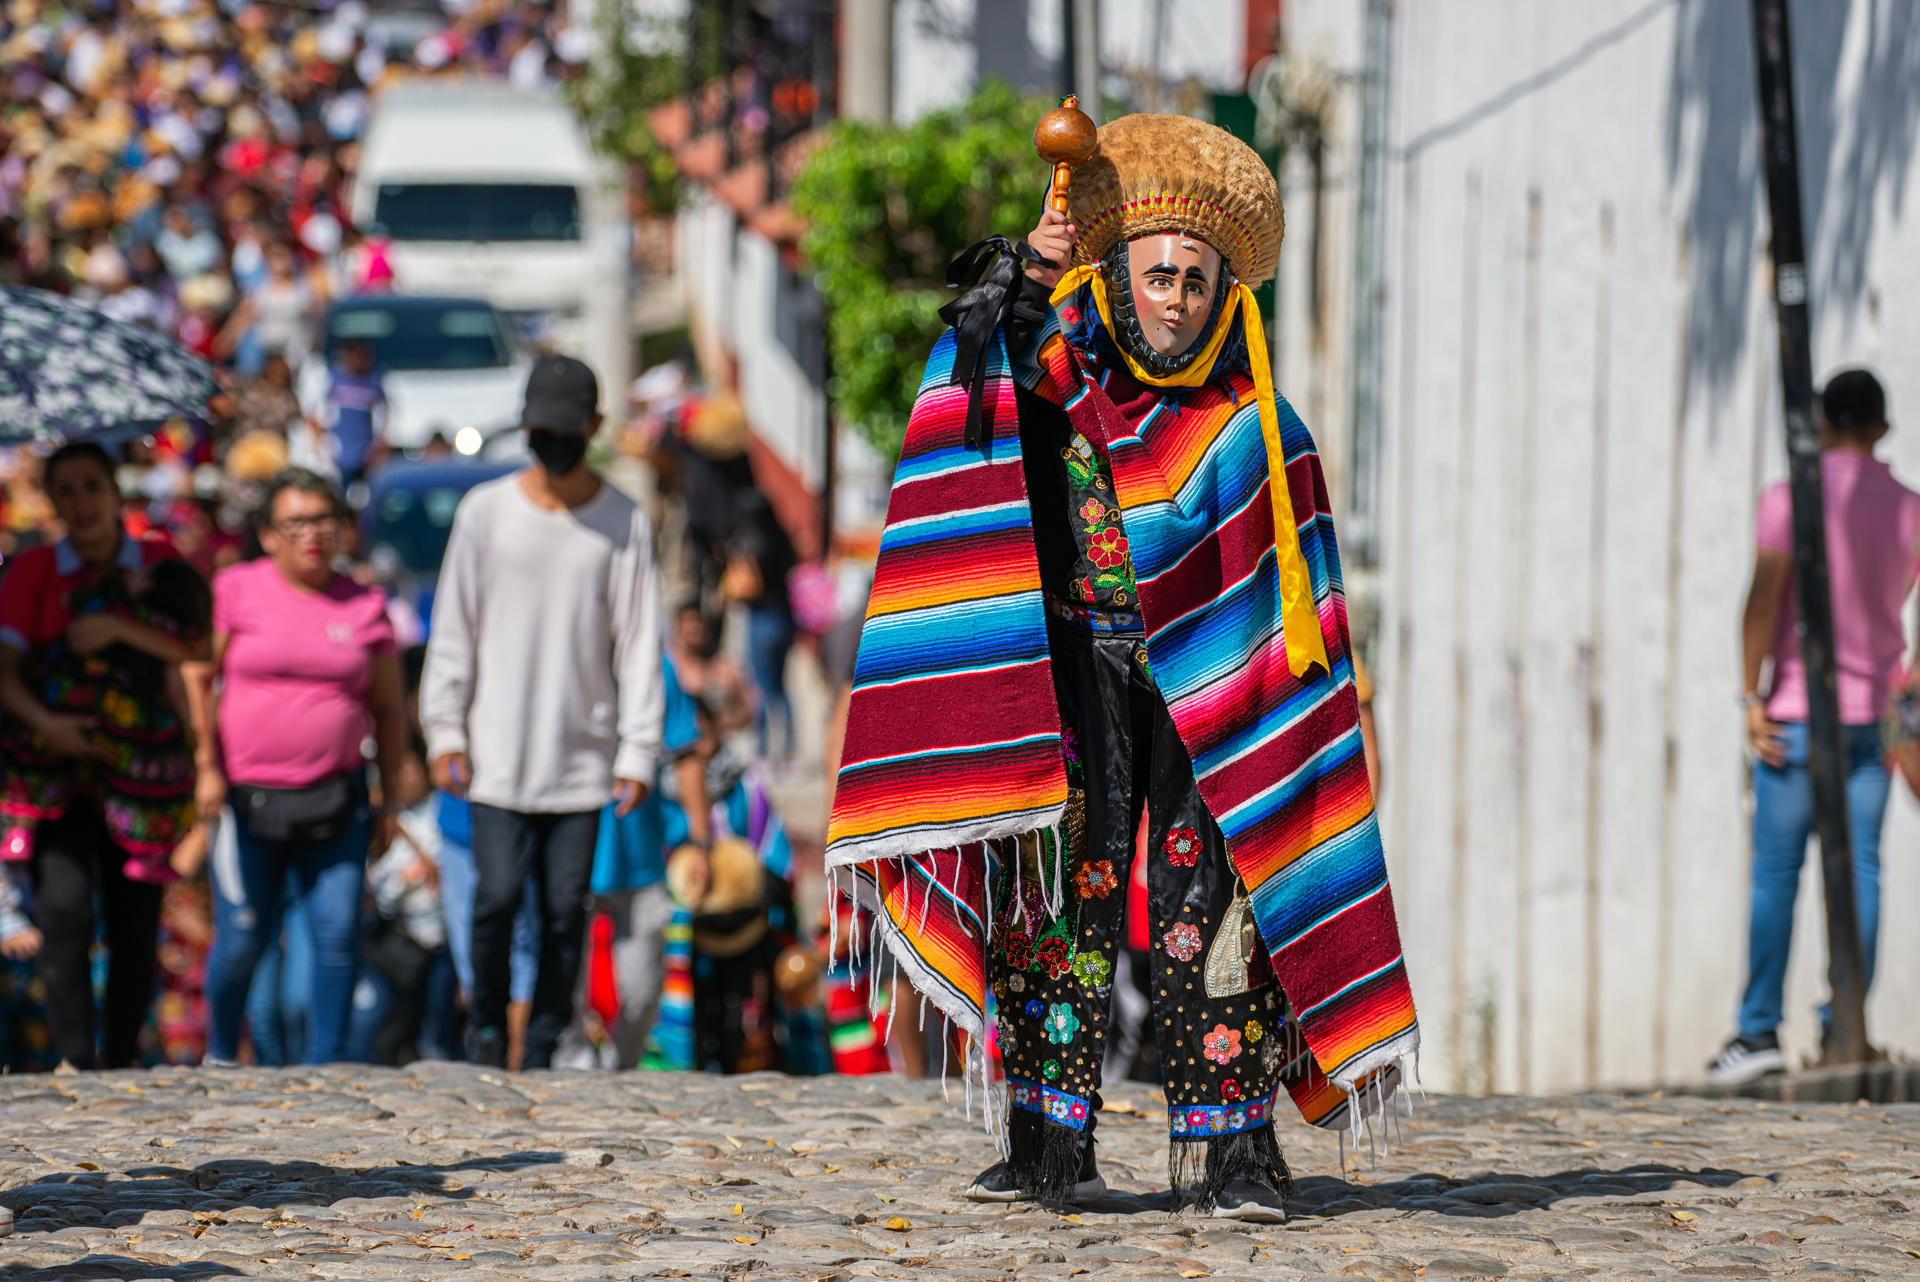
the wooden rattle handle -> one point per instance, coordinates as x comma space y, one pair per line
1062, 179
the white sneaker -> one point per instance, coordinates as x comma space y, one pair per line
1251, 1202
1743, 1060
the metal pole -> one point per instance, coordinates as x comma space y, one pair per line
1086, 58
1847, 1034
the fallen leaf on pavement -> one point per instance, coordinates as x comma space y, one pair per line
897, 1223
805, 1147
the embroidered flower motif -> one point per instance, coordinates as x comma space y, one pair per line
1035, 1008
1019, 949
1083, 588
1093, 511
1092, 969
1062, 1024
1222, 1045
1070, 743
1017, 983
1004, 1026
1107, 548
1183, 847
1230, 1090
1255, 1031
1077, 1110
1096, 879
1182, 940
1053, 954
1051, 1070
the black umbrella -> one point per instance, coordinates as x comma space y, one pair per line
67, 370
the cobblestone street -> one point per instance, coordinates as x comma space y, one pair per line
444, 1171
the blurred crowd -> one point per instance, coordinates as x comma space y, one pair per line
183, 165
262, 895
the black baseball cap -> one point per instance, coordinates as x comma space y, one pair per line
1853, 399
562, 395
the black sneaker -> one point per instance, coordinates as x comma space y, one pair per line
1746, 1058
995, 1184
487, 1047
1255, 1203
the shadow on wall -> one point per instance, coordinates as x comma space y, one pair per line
1848, 150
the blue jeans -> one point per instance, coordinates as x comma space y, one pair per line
1782, 826
458, 878
278, 997
769, 638
248, 901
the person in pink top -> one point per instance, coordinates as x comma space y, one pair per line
307, 670
1873, 557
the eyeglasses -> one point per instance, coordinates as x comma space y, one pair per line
294, 527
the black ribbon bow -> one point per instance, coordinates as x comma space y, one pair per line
988, 272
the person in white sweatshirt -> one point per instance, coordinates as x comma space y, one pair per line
542, 694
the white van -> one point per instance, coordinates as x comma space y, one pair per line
489, 192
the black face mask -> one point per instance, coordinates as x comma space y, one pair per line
558, 452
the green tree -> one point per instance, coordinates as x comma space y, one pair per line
887, 206
642, 64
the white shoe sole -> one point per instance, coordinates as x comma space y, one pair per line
1085, 1191
1752, 1068
1251, 1213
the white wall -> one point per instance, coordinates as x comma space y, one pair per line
731, 278
942, 48
1581, 404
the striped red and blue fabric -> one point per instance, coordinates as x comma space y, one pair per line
953, 742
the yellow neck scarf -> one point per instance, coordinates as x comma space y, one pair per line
1299, 617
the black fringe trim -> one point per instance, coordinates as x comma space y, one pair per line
1044, 1156
1201, 1169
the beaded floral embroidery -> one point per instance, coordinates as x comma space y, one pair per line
1096, 879
1183, 847
1222, 1045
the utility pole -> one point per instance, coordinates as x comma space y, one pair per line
1779, 141
866, 70
1084, 41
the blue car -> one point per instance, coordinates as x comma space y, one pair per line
409, 515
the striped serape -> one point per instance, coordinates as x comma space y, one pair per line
953, 739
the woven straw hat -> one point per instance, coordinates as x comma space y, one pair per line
1177, 174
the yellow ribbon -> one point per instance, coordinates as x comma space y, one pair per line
1299, 617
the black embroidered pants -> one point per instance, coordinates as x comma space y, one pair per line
1060, 917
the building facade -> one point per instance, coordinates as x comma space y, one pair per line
1548, 381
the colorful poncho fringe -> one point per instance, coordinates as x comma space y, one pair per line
953, 745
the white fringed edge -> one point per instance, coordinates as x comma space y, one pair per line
1369, 1101
844, 876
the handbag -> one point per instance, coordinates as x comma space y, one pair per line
1900, 727
316, 813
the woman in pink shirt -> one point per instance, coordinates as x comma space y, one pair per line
307, 672
1873, 554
